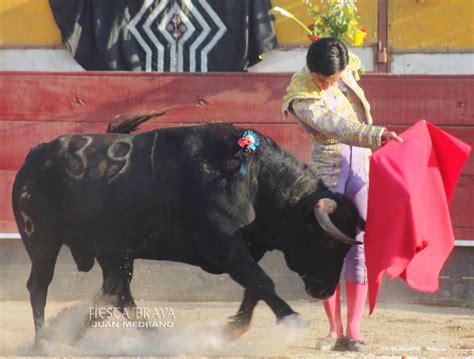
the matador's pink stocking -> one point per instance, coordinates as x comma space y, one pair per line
355, 296
332, 306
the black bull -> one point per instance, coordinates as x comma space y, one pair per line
178, 194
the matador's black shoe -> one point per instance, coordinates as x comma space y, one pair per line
353, 345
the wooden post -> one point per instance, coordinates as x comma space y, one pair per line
382, 65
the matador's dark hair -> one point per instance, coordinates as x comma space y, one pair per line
327, 56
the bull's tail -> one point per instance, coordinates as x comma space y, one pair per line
128, 125
24, 188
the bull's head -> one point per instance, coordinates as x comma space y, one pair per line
330, 228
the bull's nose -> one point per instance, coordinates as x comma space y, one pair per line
321, 294
324, 294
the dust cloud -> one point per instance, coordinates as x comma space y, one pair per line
64, 335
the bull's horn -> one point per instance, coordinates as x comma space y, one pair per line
322, 210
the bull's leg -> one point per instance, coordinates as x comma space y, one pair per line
42, 271
240, 323
242, 268
117, 274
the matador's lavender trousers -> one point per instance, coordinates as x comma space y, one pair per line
353, 182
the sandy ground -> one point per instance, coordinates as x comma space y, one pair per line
195, 330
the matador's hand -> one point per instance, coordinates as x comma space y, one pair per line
390, 135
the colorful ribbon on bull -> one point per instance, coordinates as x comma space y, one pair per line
249, 142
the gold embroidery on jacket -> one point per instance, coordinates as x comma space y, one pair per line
340, 114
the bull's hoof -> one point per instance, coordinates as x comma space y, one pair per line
235, 328
294, 321
39, 347
87, 323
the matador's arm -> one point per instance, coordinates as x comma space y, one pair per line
314, 114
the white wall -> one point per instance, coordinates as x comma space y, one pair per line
37, 60
452, 63
294, 59
413, 63
273, 61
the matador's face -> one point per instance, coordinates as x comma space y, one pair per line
325, 81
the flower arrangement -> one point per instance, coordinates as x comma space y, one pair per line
334, 18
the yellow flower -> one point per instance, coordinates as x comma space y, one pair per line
336, 18
359, 37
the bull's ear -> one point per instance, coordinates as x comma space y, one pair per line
322, 186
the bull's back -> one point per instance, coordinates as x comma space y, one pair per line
110, 188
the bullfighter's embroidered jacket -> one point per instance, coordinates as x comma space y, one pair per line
340, 114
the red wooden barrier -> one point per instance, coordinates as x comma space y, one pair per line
36, 107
